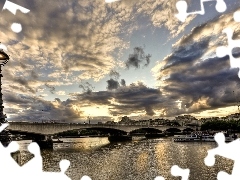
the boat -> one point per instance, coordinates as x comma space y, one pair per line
201, 138
57, 141
186, 138
207, 138
118, 138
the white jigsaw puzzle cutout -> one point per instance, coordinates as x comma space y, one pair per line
223, 50
33, 169
177, 171
12, 7
227, 150
182, 8
3, 47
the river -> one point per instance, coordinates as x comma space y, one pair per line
141, 159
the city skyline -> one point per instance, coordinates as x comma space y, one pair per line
75, 59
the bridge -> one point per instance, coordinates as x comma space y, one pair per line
54, 128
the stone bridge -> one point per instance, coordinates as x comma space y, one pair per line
53, 128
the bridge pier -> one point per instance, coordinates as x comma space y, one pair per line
119, 137
44, 142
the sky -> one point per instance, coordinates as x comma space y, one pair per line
78, 59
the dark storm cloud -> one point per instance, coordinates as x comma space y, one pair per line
17, 99
200, 84
185, 56
149, 111
112, 84
86, 87
137, 58
132, 98
24, 83
35, 109
123, 82
52, 88
114, 74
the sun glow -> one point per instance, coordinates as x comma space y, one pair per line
95, 111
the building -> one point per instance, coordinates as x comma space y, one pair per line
126, 121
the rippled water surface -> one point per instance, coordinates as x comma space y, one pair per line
137, 160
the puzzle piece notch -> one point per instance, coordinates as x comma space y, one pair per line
177, 171
3, 47
182, 9
86, 178
12, 7
222, 51
227, 150
236, 16
35, 164
5, 125
159, 178
64, 164
32, 169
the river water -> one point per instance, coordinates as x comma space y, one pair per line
141, 159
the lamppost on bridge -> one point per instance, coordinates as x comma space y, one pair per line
4, 58
4, 135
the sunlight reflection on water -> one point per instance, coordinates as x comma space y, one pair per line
136, 160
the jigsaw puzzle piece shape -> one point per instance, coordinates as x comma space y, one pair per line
177, 171
8, 165
236, 16
227, 150
224, 176
64, 164
5, 125
86, 178
182, 9
3, 47
33, 166
159, 178
12, 7
223, 51
221, 6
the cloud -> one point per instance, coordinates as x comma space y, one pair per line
125, 100
114, 74
87, 87
29, 108
194, 75
112, 84
34, 75
123, 82
137, 58
52, 88
64, 42
60, 93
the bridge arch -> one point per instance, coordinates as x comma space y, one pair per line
53, 128
188, 130
173, 130
145, 130
110, 131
